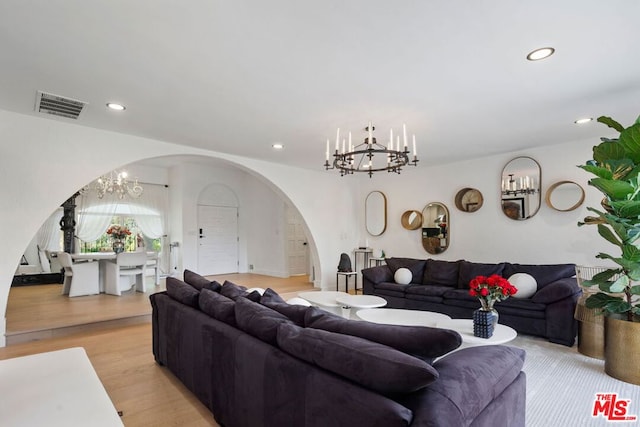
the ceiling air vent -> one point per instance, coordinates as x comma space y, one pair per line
49, 103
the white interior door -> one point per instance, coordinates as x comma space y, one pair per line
217, 240
297, 247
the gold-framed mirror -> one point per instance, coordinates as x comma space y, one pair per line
520, 188
436, 228
565, 196
411, 220
375, 213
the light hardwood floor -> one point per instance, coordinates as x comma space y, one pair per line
147, 394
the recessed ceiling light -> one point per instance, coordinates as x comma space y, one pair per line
583, 121
114, 106
278, 146
541, 53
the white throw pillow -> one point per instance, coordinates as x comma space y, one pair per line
403, 276
525, 283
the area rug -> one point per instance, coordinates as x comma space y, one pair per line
563, 385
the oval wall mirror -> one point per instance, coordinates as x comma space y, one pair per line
375, 213
521, 188
565, 196
435, 228
411, 220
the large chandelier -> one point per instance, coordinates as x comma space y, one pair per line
370, 157
515, 186
115, 183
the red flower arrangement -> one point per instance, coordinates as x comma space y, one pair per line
118, 231
491, 289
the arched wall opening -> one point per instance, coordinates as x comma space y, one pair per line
54, 159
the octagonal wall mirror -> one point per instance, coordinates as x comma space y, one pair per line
435, 228
564, 196
520, 188
375, 213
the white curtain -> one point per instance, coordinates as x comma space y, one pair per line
150, 210
94, 215
48, 237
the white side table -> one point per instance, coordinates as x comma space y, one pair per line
501, 334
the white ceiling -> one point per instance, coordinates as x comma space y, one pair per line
237, 76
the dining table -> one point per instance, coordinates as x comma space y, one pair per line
104, 257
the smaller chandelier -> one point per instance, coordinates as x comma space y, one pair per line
370, 157
521, 185
116, 183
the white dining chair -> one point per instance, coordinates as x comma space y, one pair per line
119, 273
80, 278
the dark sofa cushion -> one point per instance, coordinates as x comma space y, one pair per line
180, 291
469, 270
258, 320
295, 313
381, 273
544, 274
375, 366
217, 306
270, 295
420, 341
233, 291
416, 266
556, 291
199, 282
443, 273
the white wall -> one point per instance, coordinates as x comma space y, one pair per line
488, 235
54, 159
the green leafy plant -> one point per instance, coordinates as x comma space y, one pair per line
616, 166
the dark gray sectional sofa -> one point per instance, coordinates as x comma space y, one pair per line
443, 287
258, 361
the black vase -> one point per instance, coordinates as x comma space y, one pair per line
484, 322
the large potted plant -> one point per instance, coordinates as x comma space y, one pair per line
616, 166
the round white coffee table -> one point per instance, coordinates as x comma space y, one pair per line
397, 316
361, 301
352, 303
323, 299
501, 334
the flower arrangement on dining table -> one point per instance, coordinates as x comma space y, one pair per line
491, 289
118, 232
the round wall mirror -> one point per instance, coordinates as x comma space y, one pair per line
565, 196
469, 199
411, 220
520, 188
375, 213
435, 228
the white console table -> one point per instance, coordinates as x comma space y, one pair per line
54, 389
